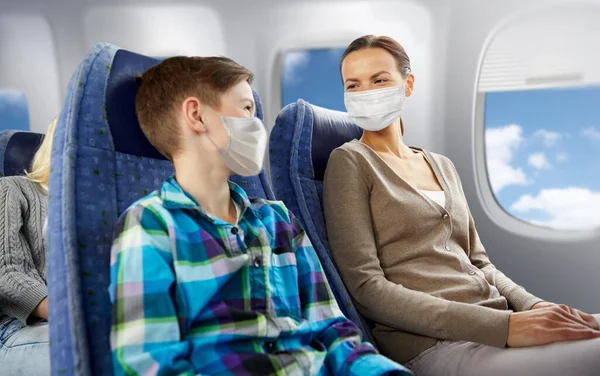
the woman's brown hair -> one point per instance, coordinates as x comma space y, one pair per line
389, 44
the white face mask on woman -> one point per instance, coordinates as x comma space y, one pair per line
374, 110
245, 151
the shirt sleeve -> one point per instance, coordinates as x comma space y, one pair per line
353, 245
145, 334
518, 298
21, 287
347, 354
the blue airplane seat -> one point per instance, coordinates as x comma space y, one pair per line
17, 149
101, 163
300, 143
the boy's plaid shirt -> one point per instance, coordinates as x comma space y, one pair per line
193, 294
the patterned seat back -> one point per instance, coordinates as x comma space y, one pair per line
101, 163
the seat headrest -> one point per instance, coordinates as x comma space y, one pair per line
121, 90
17, 150
330, 130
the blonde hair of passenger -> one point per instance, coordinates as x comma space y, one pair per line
40, 166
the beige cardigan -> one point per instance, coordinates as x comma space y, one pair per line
416, 269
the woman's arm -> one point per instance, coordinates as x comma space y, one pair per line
22, 289
518, 298
350, 232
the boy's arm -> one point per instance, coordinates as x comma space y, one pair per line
145, 334
346, 353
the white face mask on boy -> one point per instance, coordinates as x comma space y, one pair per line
245, 151
374, 110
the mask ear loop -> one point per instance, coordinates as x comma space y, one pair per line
226, 148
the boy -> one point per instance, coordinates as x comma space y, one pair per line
203, 280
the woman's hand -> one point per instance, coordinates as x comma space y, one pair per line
41, 310
548, 324
577, 314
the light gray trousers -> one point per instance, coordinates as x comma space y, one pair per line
448, 358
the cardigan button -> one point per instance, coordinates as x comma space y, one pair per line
447, 247
445, 216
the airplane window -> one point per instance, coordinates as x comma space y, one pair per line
313, 75
542, 119
542, 152
14, 113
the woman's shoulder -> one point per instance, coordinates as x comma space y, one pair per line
12, 182
444, 163
19, 185
352, 150
439, 158
16, 181
351, 160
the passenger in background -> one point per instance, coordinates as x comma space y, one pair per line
205, 280
407, 248
24, 348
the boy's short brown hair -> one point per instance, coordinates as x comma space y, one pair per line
165, 86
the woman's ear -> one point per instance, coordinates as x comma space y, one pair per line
410, 84
193, 112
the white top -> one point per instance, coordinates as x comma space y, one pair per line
438, 197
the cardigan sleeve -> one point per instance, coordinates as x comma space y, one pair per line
21, 286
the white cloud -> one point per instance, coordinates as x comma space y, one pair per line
538, 160
592, 133
549, 138
293, 61
568, 208
561, 157
501, 144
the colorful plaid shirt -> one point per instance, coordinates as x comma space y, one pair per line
193, 294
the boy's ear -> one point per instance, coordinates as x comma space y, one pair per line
193, 112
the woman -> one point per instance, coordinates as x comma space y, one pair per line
407, 248
24, 348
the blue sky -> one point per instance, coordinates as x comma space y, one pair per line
543, 146
547, 145
14, 112
314, 77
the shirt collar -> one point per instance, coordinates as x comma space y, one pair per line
174, 197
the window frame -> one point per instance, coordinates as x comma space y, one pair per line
483, 188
